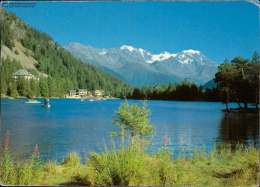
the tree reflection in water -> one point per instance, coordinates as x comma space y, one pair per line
237, 128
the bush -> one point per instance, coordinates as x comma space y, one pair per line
133, 120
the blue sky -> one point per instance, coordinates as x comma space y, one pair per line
219, 30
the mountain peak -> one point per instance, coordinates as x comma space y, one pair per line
191, 52
191, 56
128, 47
183, 56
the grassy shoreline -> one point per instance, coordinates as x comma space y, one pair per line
132, 166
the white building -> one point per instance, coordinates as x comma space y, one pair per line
24, 74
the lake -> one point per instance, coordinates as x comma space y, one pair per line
72, 125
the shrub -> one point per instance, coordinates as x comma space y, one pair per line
133, 120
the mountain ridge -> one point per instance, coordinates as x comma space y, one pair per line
130, 63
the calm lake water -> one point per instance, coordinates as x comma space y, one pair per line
72, 125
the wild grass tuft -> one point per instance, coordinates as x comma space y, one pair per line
72, 160
117, 167
7, 168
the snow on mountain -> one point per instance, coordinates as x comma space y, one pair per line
191, 52
161, 57
148, 57
138, 66
128, 47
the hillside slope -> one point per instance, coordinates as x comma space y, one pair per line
39, 54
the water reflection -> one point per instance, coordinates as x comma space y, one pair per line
239, 129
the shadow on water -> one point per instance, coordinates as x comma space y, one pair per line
237, 128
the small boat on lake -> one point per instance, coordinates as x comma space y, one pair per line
46, 103
32, 101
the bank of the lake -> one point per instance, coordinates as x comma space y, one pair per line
134, 167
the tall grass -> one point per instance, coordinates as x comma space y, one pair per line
117, 167
133, 166
18, 172
7, 168
72, 160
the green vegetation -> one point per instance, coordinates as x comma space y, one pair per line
183, 91
238, 80
132, 165
6, 31
63, 70
133, 120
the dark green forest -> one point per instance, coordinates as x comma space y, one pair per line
183, 91
64, 71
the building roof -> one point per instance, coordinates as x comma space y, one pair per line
22, 72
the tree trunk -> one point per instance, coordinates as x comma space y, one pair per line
257, 92
123, 137
245, 105
239, 104
227, 100
132, 138
227, 109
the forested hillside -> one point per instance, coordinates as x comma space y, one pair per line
58, 71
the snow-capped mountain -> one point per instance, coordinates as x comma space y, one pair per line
147, 56
140, 67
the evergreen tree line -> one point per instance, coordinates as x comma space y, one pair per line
236, 81
184, 91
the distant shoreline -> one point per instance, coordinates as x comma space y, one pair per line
95, 98
242, 110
